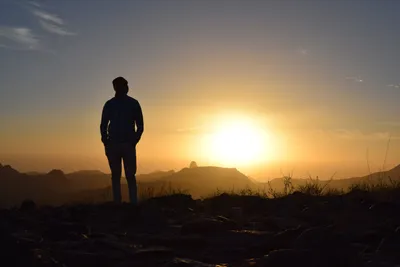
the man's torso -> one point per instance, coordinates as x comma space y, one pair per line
123, 114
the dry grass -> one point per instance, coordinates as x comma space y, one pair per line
312, 186
148, 192
316, 187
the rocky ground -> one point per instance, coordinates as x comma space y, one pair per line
356, 229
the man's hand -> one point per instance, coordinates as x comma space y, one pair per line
135, 142
105, 119
105, 141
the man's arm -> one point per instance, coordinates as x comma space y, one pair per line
105, 118
139, 123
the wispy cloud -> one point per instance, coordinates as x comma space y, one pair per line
354, 79
48, 17
53, 28
19, 38
51, 22
304, 52
394, 85
24, 38
35, 4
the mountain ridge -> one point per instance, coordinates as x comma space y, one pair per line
58, 187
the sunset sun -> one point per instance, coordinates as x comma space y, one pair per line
239, 142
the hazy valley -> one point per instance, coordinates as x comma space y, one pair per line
57, 187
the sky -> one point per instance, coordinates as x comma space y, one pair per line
320, 78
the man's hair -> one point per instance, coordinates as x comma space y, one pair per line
119, 81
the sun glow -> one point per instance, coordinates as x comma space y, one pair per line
239, 142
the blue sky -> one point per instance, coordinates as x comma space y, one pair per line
330, 66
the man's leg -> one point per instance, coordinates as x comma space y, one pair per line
114, 160
129, 157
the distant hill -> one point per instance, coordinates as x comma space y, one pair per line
35, 173
372, 178
16, 186
206, 180
199, 182
154, 176
56, 187
89, 179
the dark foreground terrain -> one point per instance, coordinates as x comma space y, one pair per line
356, 229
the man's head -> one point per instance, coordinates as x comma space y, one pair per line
120, 86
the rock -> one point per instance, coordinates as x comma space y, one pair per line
132, 216
250, 242
299, 198
151, 218
237, 213
184, 242
235, 204
390, 245
314, 215
206, 226
228, 223
178, 202
165, 232
193, 164
377, 263
289, 258
27, 240
317, 237
285, 238
59, 230
328, 244
28, 205
361, 248
159, 253
309, 258
82, 259
14, 253
178, 262
84, 244
106, 236
383, 209
278, 223
371, 238
224, 254
42, 257
118, 248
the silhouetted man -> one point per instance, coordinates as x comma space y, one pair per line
119, 117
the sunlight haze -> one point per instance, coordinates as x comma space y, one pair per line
263, 86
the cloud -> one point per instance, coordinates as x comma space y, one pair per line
394, 85
304, 52
51, 23
35, 4
22, 38
355, 79
48, 17
55, 28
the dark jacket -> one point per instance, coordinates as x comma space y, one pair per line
119, 117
